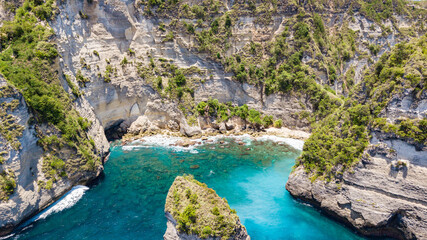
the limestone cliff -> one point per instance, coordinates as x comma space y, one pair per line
22, 157
95, 37
384, 192
37, 166
113, 28
121, 63
195, 211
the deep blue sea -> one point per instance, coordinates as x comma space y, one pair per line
128, 202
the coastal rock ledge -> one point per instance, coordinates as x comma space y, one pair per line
384, 195
195, 211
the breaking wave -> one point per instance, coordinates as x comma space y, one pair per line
66, 201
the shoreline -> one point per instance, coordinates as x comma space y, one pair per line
166, 138
179, 139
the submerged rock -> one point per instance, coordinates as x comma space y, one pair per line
195, 211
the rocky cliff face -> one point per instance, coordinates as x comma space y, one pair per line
111, 29
195, 212
24, 159
95, 37
385, 193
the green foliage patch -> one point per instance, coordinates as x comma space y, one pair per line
224, 111
26, 61
199, 210
7, 184
338, 141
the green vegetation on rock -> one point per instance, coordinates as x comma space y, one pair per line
338, 141
199, 210
7, 184
224, 111
27, 61
10, 129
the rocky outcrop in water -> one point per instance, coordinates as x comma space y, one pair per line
195, 212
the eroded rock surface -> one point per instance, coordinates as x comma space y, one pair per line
386, 192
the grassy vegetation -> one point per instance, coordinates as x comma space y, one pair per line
378, 10
199, 210
173, 82
26, 61
7, 184
277, 65
10, 129
415, 129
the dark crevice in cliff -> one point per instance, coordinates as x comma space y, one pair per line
116, 130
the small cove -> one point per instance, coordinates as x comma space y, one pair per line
128, 202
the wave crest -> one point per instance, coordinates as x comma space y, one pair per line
66, 201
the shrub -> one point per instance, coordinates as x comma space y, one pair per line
254, 117
124, 61
131, 52
201, 108
186, 218
169, 37
228, 23
7, 184
83, 15
278, 123
179, 78
159, 83
82, 80
190, 28
374, 49
50, 109
215, 211
243, 112
206, 232
267, 121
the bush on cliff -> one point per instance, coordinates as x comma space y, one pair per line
338, 141
26, 61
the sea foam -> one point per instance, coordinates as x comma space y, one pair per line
66, 201
170, 142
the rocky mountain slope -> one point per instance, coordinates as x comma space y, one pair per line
121, 67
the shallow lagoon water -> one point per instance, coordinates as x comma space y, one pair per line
128, 202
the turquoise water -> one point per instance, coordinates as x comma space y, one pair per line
128, 202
